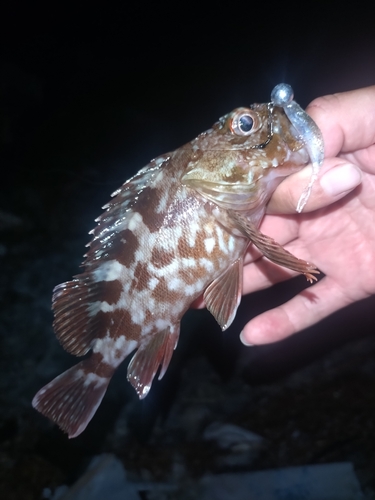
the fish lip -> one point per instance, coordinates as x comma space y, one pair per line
299, 157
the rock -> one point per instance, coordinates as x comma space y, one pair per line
229, 436
241, 446
336, 481
104, 478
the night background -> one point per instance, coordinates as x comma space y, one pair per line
88, 96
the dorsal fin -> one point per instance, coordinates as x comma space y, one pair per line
118, 214
79, 320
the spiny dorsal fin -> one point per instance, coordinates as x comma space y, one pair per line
118, 214
76, 304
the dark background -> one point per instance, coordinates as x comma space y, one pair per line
88, 95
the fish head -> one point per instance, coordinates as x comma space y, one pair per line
239, 162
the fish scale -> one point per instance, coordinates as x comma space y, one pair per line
176, 230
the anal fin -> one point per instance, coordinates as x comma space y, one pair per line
72, 398
271, 249
223, 295
146, 361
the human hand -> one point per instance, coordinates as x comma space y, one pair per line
336, 230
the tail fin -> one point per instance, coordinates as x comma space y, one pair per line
72, 398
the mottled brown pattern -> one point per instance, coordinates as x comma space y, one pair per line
102, 369
141, 277
196, 155
238, 174
117, 322
199, 249
127, 245
192, 275
111, 290
182, 248
104, 322
160, 290
161, 258
146, 206
149, 316
126, 327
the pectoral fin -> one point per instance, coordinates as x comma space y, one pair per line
271, 249
223, 295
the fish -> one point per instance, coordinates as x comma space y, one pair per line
177, 229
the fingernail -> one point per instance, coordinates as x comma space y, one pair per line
341, 179
244, 341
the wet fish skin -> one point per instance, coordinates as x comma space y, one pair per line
179, 228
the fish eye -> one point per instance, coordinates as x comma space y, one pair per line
245, 122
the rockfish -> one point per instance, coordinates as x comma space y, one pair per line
178, 228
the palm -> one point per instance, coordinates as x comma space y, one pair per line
340, 240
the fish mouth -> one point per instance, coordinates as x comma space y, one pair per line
299, 157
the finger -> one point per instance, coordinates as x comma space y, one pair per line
337, 178
347, 120
304, 310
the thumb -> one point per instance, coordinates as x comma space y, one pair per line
336, 179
